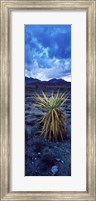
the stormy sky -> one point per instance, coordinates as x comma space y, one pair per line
48, 51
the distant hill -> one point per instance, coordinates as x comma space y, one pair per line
52, 82
58, 81
31, 80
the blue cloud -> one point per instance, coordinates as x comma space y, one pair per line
47, 51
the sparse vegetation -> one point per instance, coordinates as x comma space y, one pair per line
54, 117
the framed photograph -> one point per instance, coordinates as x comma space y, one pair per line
47, 100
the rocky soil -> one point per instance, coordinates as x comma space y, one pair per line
43, 157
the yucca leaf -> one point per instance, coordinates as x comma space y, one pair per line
57, 94
53, 121
41, 100
56, 115
45, 97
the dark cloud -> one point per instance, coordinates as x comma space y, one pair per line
48, 47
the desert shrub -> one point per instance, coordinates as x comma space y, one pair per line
54, 117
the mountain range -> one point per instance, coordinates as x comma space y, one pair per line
32, 81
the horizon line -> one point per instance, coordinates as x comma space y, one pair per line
48, 80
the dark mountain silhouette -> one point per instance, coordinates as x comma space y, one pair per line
57, 81
31, 81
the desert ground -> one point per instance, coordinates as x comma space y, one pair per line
44, 157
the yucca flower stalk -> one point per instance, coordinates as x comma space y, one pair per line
54, 117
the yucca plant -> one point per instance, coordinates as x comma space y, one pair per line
54, 117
